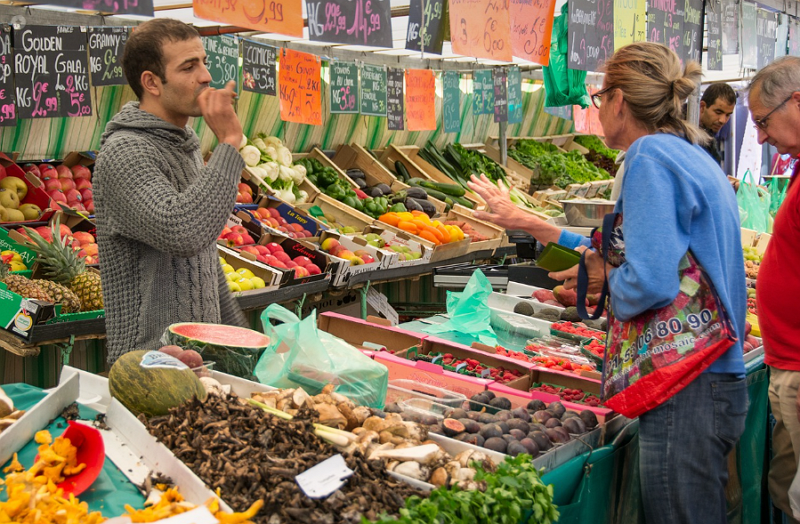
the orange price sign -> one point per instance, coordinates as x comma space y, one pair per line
420, 99
481, 28
531, 28
587, 120
299, 82
284, 17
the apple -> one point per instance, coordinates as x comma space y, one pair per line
81, 173
271, 222
289, 264
66, 184
262, 213
64, 172
78, 206
283, 257
244, 188
271, 260
91, 260
15, 184
86, 194
65, 231
262, 250
313, 269
47, 167
83, 237
239, 229
250, 249
328, 244
44, 231
58, 196
274, 248
83, 183
52, 184
89, 205
262, 259
274, 213
300, 272
73, 195
90, 250
279, 264
225, 231
367, 259
31, 168
248, 239
234, 239
282, 221
302, 261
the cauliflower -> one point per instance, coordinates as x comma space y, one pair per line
251, 155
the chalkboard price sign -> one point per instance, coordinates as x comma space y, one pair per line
357, 22
766, 29
730, 27
105, 55
258, 68
344, 87
514, 95
373, 90
714, 20
590, 33
451, 102
8, 111
664, 24
483, 88
51, 72
223, 59
431, 33
394, 98
693, 29
749, 55
794, 36
500, 94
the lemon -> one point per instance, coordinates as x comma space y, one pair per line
234, 287
227, 268
14, 255
246, 273
258, 283
232, 277
17, 266
245, 284
222, 261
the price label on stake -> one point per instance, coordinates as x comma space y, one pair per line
481, 28
431, 31
730, 27
394, 99
665, 23
8, 110
299, 83
590, 33
284, 17
630, 22
344, 87
105, 55
451, 107
714, 21
500, 94
514, 95
420, 100
749, 54
373, 90
258, 68
223, 59
766, 30
358, 22
323, 479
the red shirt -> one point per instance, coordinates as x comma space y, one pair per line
778, 287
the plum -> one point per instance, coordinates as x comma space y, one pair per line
552, 423
522, 414
557, 408
496, 444
518, 434
491, 430
452, 427
542, 416
470, 426
515, 448
531, 447
536, 405
574, 425
589, 418
541, 439
521, 425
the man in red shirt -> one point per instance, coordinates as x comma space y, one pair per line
774, 100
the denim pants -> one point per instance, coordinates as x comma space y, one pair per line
683, 449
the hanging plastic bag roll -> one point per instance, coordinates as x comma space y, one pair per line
300, 355
469, 311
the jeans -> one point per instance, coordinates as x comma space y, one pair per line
683, 449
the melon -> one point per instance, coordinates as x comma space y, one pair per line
234, 350
151, 382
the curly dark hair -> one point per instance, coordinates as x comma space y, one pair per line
716, 91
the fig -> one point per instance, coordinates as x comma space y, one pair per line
503, 415
474, 439
518, 434
504, 427
436, 429
536, 405
489, 394
564, 433
574, 426
515, 448
490, 431
569, 413
541, 439
537, 427
589, 418
462, 437
470, 426
411, 416
496, 444
522, 414
551, 423
474, 415
542, 416
459, 413
557, 408
500, 403
428, 420
509, 438
531, 447
556, 436
518, 424
477, 402
452, 427
487, 418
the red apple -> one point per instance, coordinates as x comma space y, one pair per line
83, 183
83, 237
44, 231
46, 167
89, 205
81, 173
244, 188
271, 260
234, 239
33, 169
289, 263
86, 194
282, 221
90, 249
261, 258
250, 249
244, 198
313, 269
248, 239
64, 172
274, 248
225, 231
300, 272
52, 184
279, 264
65, 231
239, 229
58, 196
302, 261
274, 213
73, 195
367, 259
66, 184
283, 257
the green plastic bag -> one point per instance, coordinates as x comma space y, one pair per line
563, 86
777, 192
469, 311
754, 205
300, 355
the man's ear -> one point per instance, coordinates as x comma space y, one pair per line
151, 83
702, 106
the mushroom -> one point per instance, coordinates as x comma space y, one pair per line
300, 398
16, 415
358, 431
330, 416
452, 468
385, 437
6, 404
392, 464
362, 413
375, 454
463, 458
5, 423
439, 477
211, 385
421, 454
347, 413
375, 424
413, 470
328, 389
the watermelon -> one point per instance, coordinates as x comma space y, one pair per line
234, 350
151, 382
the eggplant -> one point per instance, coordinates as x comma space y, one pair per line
374, 191
425, 206
360, 182
413, 205
356, 173
417, 192
386, 189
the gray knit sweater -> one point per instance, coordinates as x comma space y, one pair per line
159, 211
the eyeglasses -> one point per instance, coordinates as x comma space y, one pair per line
597, 97
762, 123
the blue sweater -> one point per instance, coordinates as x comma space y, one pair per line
675, 197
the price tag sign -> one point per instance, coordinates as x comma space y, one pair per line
420, 99
299, 82
794, 36
730, 27
749, 54
106, 44
766, 32
514, 95
284, 17
431, 32
451, 101
51, 72
500, 94
590, 33
664, 24
357, 22
223, 59
630, 22
587, 120
344, 87
116, 7
714, 21
373, 90
531, 29
481, 28
693, 30
258, 68
394, 99
323, 479
8, 110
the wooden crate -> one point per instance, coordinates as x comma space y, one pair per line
345, 215
494, 232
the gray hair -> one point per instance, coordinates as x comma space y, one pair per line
777, 80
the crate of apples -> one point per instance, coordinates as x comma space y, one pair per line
67, 185
274, 255
236, 236
356, 258
273, 219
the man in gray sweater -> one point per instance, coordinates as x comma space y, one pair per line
159, 208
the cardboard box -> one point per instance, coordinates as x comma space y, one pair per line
518, 391
272, 277
83, 158
11, 240
383, 259
20, 316
341, 213
36, 193
368, 337
437, 253
291, 214
297, 248
404, 239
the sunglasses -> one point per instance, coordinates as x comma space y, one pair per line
597, 97
762, 123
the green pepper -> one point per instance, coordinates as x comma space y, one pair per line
398, 208
312, 178
327, 177
334, 191
350, 201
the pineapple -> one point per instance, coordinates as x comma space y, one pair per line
62, 264
22, 286
70, 303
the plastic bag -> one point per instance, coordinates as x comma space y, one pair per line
469, 311
777, 192
755, 203
300, 355
563, 86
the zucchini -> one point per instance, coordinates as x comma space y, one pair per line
402, 171
463, 201
435, 194
415, 181
450, 189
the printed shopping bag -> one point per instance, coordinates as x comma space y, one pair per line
656, 354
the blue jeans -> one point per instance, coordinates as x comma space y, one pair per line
683, 449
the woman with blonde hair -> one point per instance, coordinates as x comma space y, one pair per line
674, 200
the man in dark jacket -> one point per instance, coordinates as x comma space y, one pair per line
716, 108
